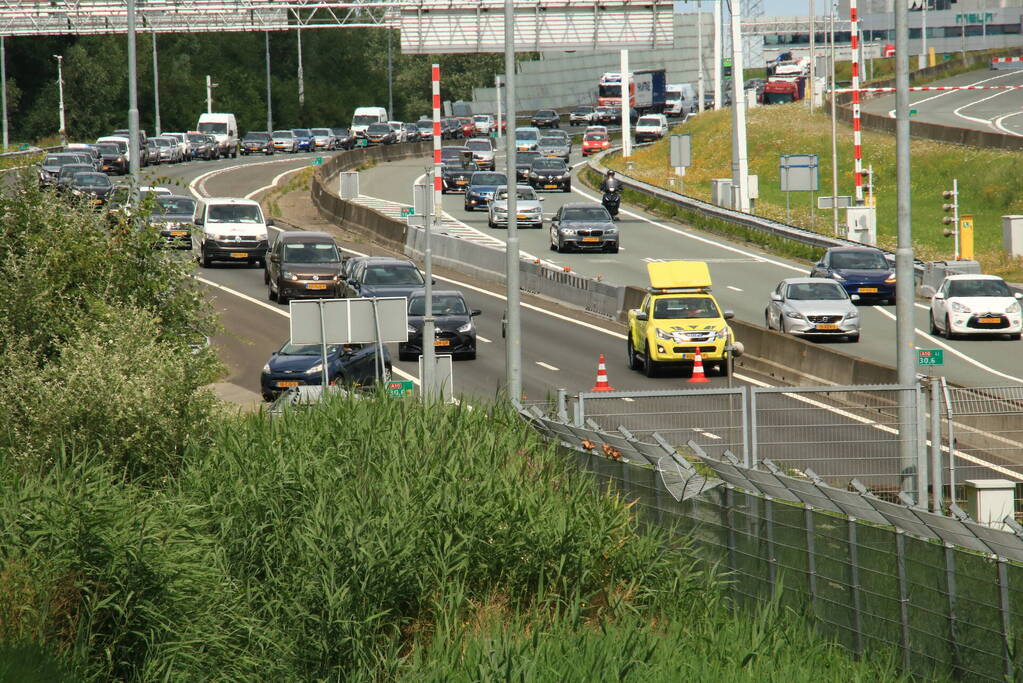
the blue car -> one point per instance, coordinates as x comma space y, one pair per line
482, 186
865, 271
304, 139
295, 365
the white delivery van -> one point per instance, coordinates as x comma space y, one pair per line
651, 127
224, 128
230, 229
121, 142
365, 117
680, 99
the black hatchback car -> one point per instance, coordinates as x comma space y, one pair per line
546, 118
524, 163
257, 142
174, 215
550, 174
382, 276
302, 265
296, 365
455, 175
455, 332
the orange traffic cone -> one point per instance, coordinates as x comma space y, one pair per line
602, 384
698, 375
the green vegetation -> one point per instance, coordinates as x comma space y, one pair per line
988, 183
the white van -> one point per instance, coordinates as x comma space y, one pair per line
365, 117
680, 99
230, 229
119, 140
224, 128
651, 127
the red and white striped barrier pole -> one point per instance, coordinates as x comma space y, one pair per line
438, 196
923, 88
857, 142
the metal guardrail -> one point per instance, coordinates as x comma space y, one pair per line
27, 152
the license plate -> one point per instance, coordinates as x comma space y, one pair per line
550, 187
591, 239
868, 290
178, 233
989, 320
827, 326
521, 216
443, 342
284, 384
239, 254
316, 285
105, 168
461, 182
688, 356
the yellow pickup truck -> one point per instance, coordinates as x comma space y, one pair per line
679, 316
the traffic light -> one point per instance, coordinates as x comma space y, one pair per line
951, 205
726, 68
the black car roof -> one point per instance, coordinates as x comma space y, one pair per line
384, 260
303, 236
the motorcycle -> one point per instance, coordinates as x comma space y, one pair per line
611, 200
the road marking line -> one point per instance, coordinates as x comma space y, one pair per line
197, 186
545, 365
482, 339
891, 112
628, 400
998, 123
734, 289
273, 183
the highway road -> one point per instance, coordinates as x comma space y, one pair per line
999, 111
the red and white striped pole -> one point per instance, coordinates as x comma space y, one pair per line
857, 142
437, 179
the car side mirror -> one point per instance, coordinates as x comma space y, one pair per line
199, 221
775, 296
269, 222
475, 312
540, 198
1017, 295
941, 295
729, 314
642, 315
855, 297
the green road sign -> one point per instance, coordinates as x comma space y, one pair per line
401, 388
318, 161
912, 112
930, 357
407, 211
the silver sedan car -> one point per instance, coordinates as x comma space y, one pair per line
482, 152
528, 208
813, 307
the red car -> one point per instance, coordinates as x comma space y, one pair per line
595, 142
468, 127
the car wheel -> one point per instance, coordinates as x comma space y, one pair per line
205, 259
281, 298
934, 328
568, 187
270, 292
781, 325
266, 276
631, 356
1015, 336
405, 355
471, 355
649, 364
490, 223
613, 249
852, 338
948, 329
767, 320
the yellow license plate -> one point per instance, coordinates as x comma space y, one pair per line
239, 254
521, 215
989, 320
688, 356
284, 384
591, 239
443, 342
316, 285
461, 182
827, 326
550, 187
868, 290
178, 233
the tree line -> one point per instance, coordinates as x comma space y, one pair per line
342, 68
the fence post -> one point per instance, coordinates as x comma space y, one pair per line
854, 586
937, 492
922, 478
900, 561
578, 411
562, 404
950, 586
811, 559
730, 526
1003, 608
747, 455
750, 425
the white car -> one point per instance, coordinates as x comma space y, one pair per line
651, 127
976, 304
400, 135
229, 229
484, 123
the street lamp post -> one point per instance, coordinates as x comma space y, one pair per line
513, 341
135, 149
60, 90
269, 106
301, 73
3, 88
210, 85
156, 87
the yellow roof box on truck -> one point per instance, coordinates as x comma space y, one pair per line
688, 275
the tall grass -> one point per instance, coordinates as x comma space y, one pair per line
372, 539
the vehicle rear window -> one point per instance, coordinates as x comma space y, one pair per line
685, 307
967, 288
393, 275
488, 179
179, 206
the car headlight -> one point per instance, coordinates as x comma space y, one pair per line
467, 327
316, 369
266, 368
288, 275
1013, 307
412, 331
852, 314
662, 334
120, 159
568, 232
958, 307
564, 176
890, 280
501, 211
793, 314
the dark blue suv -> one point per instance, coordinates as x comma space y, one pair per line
304, 138
860, 270
295, 365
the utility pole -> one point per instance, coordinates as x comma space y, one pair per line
740, 171
699, 55
3, 89
210, 85
60, 90
135, 149
301, 77
429, 334
626, 99
156, 88
813, 55
390, 77
497, 91
513, 340
269, 105
717, 53
904, 327
923, 61
834, 129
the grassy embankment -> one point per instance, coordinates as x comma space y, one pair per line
989, 183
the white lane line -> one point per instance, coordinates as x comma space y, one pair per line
482, 339
545, 365
734, 289
279, 311
273, 183
628, 400
955, 352
891, 112
197, 186
998, 123
987, 122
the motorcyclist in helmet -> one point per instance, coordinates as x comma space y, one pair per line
610, 183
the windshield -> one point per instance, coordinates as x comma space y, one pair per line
488, 178
683, 307
586, 213
551, 142
162, 142
859, 260
197, 139
365, 120
583, 110
595, 137
215, 128
443, 304
549, 165
380, 128
424, 125
393, 275
72, 169
341, 132
261, 137
321, 132
523, 194
91, 180
816, 291
286, 134
57, 160
109, 148
609, 90
527, 135
459, 165
482, 145
311, 252
971, 288
481, 119
234, 213
648, 121
177, 206
302, 132
451, 152
290, 349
